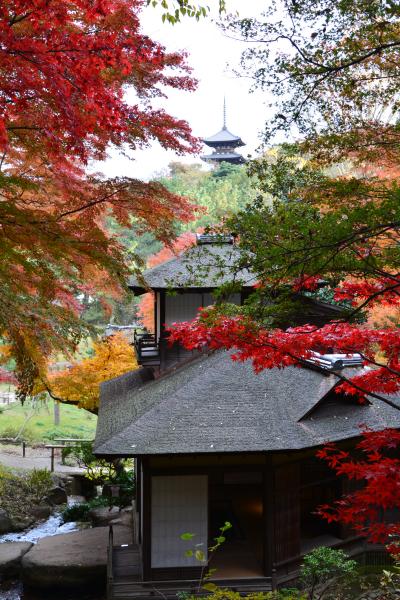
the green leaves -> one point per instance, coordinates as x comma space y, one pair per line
187, 536
174, 10
342, 100
200, 556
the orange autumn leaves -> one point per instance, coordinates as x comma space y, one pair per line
80, 384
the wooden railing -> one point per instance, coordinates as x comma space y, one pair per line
147, 349
110, 576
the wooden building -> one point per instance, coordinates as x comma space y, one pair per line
214, 442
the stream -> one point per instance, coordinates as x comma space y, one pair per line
13, 590
52, 526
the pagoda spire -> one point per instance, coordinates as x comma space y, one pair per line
224, 144
224, 117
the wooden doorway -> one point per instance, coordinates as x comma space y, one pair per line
237, 497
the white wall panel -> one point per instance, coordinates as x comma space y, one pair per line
181, 307
178, 505
184, 307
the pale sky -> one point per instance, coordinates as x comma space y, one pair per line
209, 54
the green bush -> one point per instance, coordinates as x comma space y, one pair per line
80, 512
55, 433
20, 492
324, 565
13, 433
104, 472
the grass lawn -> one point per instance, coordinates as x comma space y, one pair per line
74, 422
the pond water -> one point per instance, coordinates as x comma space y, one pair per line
14, 591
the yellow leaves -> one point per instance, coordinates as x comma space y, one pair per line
5, 353
80, 384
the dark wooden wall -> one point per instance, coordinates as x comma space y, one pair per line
286, 512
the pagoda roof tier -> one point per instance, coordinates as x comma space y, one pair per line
223, 138
230, 157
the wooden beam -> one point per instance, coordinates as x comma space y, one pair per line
146, 516
269, 521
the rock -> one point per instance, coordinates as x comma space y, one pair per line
125, 517
42, 511
21, 523
63, 480
103, 515
11, 554
57, 495
5, 522
72, 560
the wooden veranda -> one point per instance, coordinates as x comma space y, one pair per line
124, 573
124, 579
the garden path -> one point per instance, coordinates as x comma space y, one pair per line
36, 458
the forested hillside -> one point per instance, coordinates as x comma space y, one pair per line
222, 191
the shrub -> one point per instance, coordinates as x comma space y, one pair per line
226, 594
38, 483
322, 566
80, 512
104, 472
76, 512
20, 492
14, 433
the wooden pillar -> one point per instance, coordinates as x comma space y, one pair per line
287, 511
162, 313
52, 460
155, 314
146, 516
269, 523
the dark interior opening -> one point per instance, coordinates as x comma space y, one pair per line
319, 486
237, 498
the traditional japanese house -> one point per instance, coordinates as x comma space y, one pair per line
213, 442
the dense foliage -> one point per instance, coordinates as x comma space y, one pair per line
65, 68
221, 192
21, 492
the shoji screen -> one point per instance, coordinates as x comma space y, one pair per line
178, 505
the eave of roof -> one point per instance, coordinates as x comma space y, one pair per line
223, 156
197, 268
223, 137
217, 405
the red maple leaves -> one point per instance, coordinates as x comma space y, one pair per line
366, 509
76, 78
65, 67
280, 348
371, 507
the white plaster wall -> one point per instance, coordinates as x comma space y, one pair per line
184, 307
178, 505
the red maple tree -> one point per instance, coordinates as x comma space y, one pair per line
65, 69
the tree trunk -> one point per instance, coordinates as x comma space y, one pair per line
56, 413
